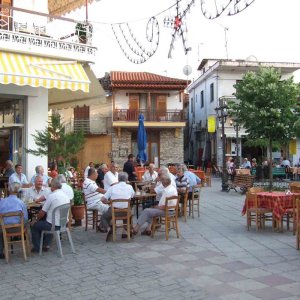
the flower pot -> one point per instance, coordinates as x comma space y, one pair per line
77, 212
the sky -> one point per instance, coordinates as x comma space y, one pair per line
267, 30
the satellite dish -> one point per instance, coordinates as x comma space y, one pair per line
187, 70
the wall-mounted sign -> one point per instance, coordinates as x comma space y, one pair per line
211, 124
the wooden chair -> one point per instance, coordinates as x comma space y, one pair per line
92, 216
208, 177
63, 222
11, 231
298, 224
290, 215
255, 213
170, 219
184, 204
196, 199
121, 214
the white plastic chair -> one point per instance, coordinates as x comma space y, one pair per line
63, 223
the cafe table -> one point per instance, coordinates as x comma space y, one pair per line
278, 202
142, 197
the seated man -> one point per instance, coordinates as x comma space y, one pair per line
18, 177
192, 177
111, 176
93, 194
120, 190
53, 200
38, 192
9, 168
39, 170
182, 182
150, 175
65, 187
12, 204
147, 214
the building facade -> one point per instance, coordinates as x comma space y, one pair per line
161, 100
38, 52
217, 79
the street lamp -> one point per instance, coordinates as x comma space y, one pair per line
222, 113
237, 128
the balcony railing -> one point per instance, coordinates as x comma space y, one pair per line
154, 116
100, 125
31, 32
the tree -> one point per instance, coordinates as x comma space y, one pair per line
55, 143
267, 107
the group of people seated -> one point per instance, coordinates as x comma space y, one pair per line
116, 185
100, 186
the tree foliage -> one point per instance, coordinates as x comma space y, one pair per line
266, 106
55, 143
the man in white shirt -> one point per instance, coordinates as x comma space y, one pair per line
111, 176
147, 214
91, 165
285, 162
18, 177
93, 194
53, 200
39, 170
65, 187
150, 174
38, 192
120, 190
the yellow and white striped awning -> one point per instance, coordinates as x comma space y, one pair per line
21, 69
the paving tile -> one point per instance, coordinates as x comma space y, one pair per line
274, 280
253, 272
149, 254
291, 288
238, 296
183, 257
247, 285
210, 270
229, 277
235, 265
203, 281
269, 293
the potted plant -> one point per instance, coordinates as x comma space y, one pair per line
78, 207
83, 30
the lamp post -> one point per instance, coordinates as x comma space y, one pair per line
222, 114
237, 128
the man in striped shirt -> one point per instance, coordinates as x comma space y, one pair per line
93, 194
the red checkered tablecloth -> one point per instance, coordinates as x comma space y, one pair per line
279, 202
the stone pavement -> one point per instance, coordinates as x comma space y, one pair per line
215, 258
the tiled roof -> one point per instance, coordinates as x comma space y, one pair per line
145, 80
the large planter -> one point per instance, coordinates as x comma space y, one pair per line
77, 213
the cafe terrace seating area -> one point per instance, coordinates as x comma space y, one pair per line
277, 211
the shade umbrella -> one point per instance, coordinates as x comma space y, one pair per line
142, 140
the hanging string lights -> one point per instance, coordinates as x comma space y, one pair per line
132, 48
138, 51
215, 8
178, 26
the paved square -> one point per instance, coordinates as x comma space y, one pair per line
214, 258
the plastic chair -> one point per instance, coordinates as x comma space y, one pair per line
63, 211
121, 214
170, 219
10, 231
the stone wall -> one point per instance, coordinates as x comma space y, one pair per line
121, 146
171, 146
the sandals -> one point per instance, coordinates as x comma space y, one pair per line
146, 232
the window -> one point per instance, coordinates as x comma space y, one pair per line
202, 98
212, 96
82, 119
192, 105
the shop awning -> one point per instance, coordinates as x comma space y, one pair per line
21, 69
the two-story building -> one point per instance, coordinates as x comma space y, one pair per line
216, 80
161, 100
38, 52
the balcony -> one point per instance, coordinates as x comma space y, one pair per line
97, 125
29, 32
156, 118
